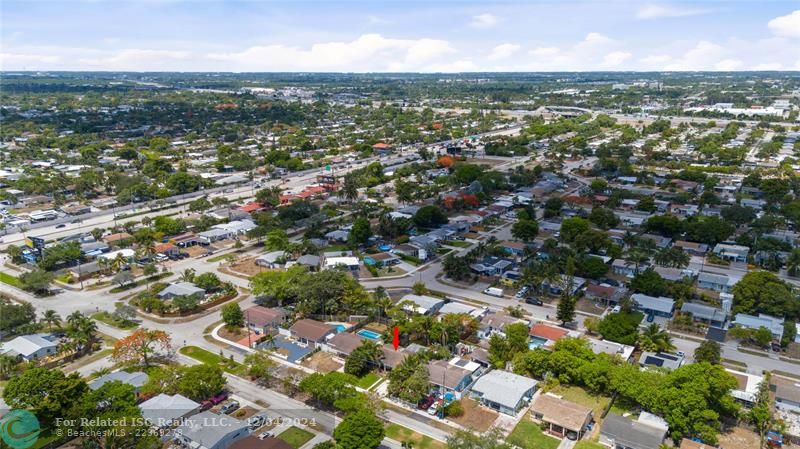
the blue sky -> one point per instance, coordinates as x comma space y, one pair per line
419, 36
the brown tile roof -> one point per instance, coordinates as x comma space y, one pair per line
786, 389
601, 291
261, 316
560, 412
164, 247
345, 342
392, 358
251, 442
689, 444
117, 237
310, 329
499, 320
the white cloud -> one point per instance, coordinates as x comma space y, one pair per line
728, 65
503, 51
377, 20
702, 56
787, 26
16, 61
616, 58
134, 59
484, 21
544, 51
768, 66
655, 59
654, 11
369, 52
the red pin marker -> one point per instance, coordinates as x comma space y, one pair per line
396, 339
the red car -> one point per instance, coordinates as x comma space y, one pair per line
214, 400
426, 402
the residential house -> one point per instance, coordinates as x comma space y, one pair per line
491, 266
136, 379
774, 324
264, 319
496, 323
717, 282
310, 261
561, 417
513, 248
734, 253
349, 263
746, 390
391, 357
612, 348
604, 294
787, 394
684, 210
381, 259
453, 376
271, 259
310, 332
692, 248
660, 242
343, 344
253, 442
165, 410
168, 249
618, 432
624, 268
197, 433
712, 316
660, 360
545, 336
453, 307
503, 391
87, 270
181, 289
337, 236
215, 235
118, 238
672, 274
30, 347
659, 306
421, 304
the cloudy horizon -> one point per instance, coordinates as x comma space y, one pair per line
398, 36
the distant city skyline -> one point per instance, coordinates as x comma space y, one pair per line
398, 36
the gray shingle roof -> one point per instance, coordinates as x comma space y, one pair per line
631, 433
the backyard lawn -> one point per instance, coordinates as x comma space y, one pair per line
586, 444
528, 435
209, 358
419, 441
367, 380
580, 396
296, 437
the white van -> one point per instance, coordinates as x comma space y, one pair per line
494, 291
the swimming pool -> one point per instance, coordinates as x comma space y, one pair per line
368, 334
536, 342
339, 328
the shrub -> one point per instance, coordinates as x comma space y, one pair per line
454, 409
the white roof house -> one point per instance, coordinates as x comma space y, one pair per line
457, 307
348, 261
162, 410
422, 304
135, 379
29, 347
180, 289
504, 391
126, 253
196, 433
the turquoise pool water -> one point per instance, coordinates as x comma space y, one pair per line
372, 335
339, 328
536, 342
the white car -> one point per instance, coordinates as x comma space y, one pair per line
265, 435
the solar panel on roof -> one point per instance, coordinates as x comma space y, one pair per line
650, 360
667, 356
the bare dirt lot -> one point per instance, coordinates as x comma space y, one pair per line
475, 417
738, 438
321, 362
247, 267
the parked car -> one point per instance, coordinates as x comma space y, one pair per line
61, 225
534, 301
651, 317
434, 408
494, 291
256, 421
426, 403
265, 435
229, 408
219, 397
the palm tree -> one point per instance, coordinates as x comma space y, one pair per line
793, 262
349, 189
637, 258
51, 317
188, 275
75, 317
118, 262
8, 365
673, 257
653, 338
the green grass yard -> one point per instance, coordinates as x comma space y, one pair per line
419, 441
209, 358
528, 435
296, 437
10, 280
580, 396
109, 319
367, 380
586, 444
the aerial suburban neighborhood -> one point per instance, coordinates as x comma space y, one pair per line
219, 260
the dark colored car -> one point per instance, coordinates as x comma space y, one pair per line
426, 402
533, 301
62, 225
